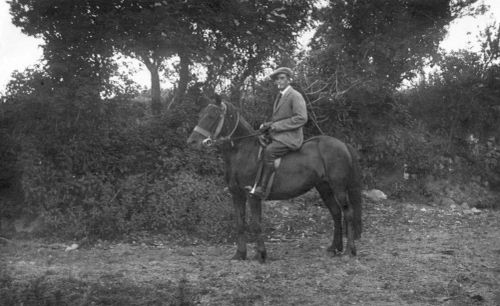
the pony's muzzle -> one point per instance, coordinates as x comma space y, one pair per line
191, 141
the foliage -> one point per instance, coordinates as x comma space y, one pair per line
230, 38
460, 103
93, 207
77, 56
104, 169
383, 41
360, 54
465, 92
87, 154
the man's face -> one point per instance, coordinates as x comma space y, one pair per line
282, 81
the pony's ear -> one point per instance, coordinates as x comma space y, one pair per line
218, 99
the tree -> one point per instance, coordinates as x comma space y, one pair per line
462, 97
153, 31
381, 40
224, 35
77, 55
363, 50
249, 35
460, 104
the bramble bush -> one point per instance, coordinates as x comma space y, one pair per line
460, 105
176, 196
91, 206
110, 168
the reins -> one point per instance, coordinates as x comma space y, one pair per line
247, 136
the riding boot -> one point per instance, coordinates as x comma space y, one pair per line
267, 172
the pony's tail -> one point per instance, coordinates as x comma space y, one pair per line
354, 191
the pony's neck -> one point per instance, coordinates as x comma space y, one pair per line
246, 144
243, 129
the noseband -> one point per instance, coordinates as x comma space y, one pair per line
212, 138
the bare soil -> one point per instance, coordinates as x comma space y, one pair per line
409, 254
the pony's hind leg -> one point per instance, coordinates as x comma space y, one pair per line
342, 200
328, 198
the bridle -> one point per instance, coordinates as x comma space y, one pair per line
212, 138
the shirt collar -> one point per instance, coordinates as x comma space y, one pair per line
284, 90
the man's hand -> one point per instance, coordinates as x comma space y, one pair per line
266, 126
264, 140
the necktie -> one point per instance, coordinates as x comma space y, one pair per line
277, 100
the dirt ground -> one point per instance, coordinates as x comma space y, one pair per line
409, 254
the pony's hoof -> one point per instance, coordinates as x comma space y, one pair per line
352, 252
239, 256
260, 257
334, 251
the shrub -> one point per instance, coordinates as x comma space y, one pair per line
103, 168
91, 206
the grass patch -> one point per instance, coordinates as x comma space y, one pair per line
47, 290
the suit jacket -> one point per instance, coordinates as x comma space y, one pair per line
289, 115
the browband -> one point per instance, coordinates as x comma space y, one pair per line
202, 131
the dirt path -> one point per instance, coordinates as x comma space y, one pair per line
409, 254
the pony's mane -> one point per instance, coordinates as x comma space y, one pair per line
243, 121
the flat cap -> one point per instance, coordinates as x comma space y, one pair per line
280, 70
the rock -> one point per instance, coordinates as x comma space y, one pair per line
448, 202
72, 247
471, 211
375, 195
465, 205
410, 206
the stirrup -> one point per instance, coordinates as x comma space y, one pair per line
259, 194
262, 192
251, 189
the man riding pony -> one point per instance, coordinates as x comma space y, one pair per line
284, 132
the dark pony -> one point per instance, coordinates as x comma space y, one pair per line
323, 162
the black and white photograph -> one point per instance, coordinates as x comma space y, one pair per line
249, 152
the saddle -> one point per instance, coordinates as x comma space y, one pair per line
264, 141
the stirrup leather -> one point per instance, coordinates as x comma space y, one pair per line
261, 187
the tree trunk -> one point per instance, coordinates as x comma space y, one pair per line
237, 87
238, 82
183, 79
155, 91
210, 83
153, 65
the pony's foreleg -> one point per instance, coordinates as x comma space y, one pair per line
341, 197
239, 202
256, 228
